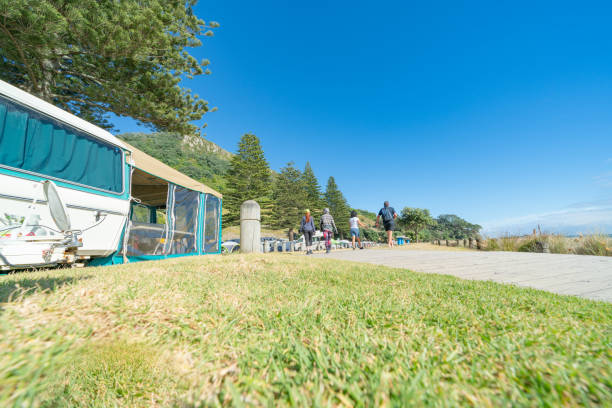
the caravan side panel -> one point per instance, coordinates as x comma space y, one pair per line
85, 209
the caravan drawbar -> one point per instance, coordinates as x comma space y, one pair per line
72, 193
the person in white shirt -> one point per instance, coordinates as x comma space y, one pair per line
354, 224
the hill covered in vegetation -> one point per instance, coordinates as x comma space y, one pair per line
195, 156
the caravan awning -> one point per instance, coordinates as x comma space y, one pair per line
156, 168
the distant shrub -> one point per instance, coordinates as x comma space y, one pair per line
509, 243
596, 244
492, 244
558, 244
532, 245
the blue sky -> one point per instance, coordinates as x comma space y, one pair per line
495, 111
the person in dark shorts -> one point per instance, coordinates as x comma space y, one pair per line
388, 215
307, 228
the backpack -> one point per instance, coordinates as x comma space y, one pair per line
387, 214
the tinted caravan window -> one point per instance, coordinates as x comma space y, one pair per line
38, 144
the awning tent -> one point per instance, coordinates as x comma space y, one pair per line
154, 167
177, 215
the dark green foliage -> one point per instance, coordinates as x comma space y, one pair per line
532, 245
313, 200
338, 207
415, 220
197, 159
247, 179
450, 226
289, 197
374, 235
91, 57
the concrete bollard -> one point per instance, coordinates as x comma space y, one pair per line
250, 228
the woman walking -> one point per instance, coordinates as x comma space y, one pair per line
354, 224
307, 228
327, 226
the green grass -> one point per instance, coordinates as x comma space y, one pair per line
282, 330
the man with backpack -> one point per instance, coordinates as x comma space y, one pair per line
388, 215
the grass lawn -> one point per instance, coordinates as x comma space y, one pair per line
281, 330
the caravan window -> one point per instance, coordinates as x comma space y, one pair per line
32, 142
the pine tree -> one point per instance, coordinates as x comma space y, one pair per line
92, 57
289, 197
248, 179
338, 206
313, 200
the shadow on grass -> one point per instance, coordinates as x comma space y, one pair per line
12, 290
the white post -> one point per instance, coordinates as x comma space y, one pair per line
250, 228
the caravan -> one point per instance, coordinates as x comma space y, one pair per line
72, 193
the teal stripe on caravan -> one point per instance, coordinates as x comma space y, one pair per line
124, 196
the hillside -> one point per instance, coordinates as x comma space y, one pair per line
198, 158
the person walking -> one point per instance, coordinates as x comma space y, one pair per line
328, 226
388, 215
354, 224
307, 228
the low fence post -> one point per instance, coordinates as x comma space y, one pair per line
250, 227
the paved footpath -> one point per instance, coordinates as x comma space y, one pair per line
580, 275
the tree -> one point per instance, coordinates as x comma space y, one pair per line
91, 57
247, 179
313, 199
415, 219
289, 197
338, 206
450, 226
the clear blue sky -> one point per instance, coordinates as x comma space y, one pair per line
489, 110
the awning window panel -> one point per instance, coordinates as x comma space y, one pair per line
146, 239
212, 215
183, 221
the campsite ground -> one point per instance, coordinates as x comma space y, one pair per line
252, 329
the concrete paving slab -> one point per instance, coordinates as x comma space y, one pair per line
579, 275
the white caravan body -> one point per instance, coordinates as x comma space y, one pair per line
29, 236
